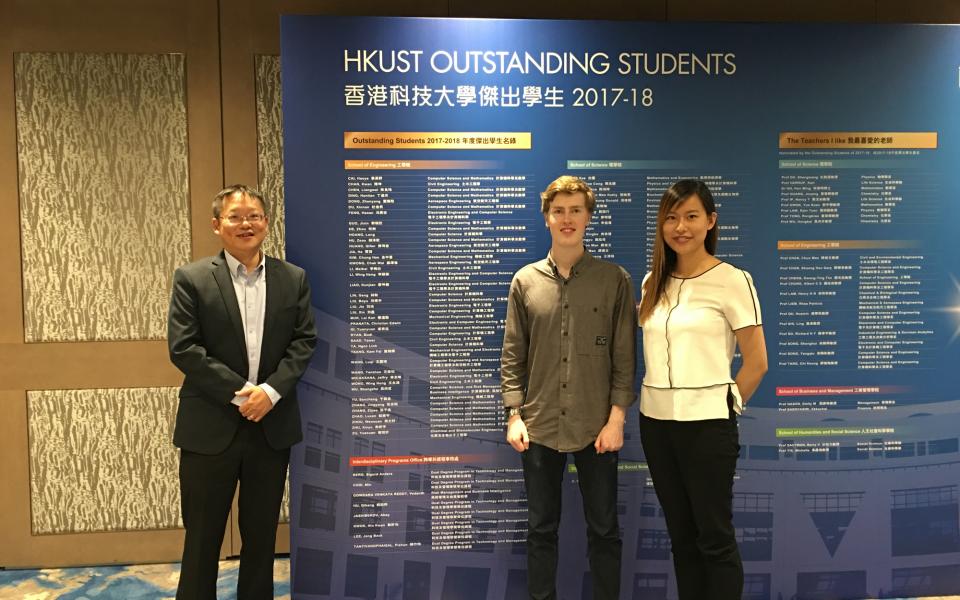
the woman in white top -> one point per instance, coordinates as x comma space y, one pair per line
694, 311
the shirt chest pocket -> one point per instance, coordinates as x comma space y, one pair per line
591, 329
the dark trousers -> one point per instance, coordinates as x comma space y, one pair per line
692, 464
543, 475
207, 485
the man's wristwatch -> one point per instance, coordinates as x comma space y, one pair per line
512, 410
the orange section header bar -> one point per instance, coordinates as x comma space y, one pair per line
845, 244
387, 165
438, 140
369, 461
859, 139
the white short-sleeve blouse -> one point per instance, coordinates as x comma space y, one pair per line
689, 343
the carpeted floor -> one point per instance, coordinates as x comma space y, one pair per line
139, 582
129, 582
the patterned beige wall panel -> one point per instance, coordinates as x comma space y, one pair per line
270, 173
102, 460
285, 505
104, 207
270, 148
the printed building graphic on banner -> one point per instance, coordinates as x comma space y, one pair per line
416, 150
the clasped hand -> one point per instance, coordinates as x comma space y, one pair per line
257, 404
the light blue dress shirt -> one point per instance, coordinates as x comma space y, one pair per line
251, 290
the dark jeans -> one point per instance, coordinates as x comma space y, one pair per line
597, 473
692, 464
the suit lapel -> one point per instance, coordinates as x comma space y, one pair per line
221, 272
275, 287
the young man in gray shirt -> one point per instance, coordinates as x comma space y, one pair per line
567, 373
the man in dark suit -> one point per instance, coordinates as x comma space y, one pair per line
241, 330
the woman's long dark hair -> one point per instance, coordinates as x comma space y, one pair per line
664, 258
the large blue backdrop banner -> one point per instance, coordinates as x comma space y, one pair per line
415, 150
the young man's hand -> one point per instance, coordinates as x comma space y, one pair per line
610, 438
517, 434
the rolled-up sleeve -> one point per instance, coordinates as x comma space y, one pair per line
623, 362
516, 343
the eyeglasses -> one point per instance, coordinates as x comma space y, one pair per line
252, 218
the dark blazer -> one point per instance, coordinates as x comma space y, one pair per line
205, 337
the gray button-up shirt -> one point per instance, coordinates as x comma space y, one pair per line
569, 349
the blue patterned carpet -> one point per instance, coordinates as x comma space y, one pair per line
140, 582
133, 582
